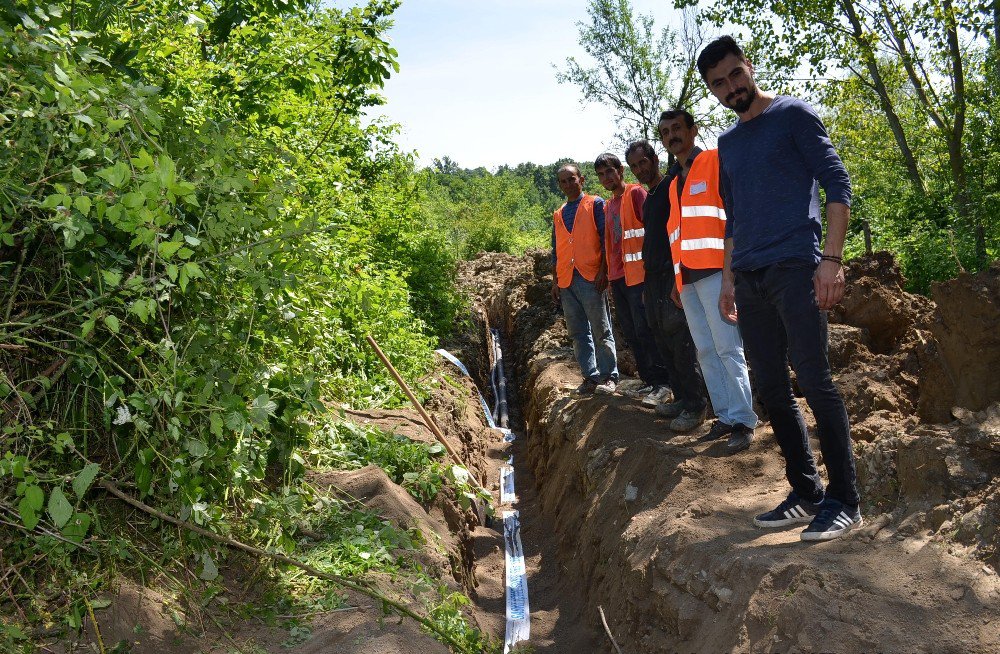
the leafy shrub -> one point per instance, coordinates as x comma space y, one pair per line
187, 233
347, 445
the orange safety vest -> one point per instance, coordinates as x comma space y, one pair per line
633, 231
579, 249
697, 224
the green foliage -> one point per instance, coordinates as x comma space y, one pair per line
355, 542
930, 239
466, 490
446, 613
196, 231
638, 73
346, 445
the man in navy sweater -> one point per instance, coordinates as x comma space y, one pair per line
773, 161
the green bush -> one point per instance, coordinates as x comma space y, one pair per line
189, 233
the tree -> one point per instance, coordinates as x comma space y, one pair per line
639, 73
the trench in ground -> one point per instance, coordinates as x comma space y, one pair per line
680, 568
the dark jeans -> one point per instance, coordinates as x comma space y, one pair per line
779, 317
631, 314
673, 340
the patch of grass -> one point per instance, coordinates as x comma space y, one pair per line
411, 464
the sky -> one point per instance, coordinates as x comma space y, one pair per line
477, 82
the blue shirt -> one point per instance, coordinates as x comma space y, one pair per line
771, 169
569, 217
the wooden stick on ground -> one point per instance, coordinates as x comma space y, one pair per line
237, 545
416, 405
607, 630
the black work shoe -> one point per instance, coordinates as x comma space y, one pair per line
586, 388
793, 510
740, 438
669, 409
718, 430
833, 520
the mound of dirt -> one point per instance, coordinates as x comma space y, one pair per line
876, 345
875, 302
966, 346
140, 620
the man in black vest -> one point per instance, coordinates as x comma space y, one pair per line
666, 320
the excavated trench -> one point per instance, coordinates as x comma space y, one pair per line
621, 514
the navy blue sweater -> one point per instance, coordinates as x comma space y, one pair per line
772, 167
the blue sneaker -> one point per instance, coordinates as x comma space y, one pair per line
793, 510
833, 520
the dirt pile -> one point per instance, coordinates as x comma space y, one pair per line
655, 527
876, 346
966, 344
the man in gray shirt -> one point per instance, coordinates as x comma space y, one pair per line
772, 163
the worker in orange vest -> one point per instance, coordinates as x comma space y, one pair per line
697, 231
623, 237
580, 282
666, 321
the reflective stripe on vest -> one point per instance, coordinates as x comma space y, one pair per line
703, 244
706, 211
697, 225
580, 249
633, 233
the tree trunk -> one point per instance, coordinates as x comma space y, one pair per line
956, 155
871, 63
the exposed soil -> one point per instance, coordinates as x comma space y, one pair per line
618, 512
680, 568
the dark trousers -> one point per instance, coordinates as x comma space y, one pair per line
631, 314
673, 340
780, 320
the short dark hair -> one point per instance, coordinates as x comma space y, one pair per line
608, 160
716, 51
677, 113
643, 146
570, 166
